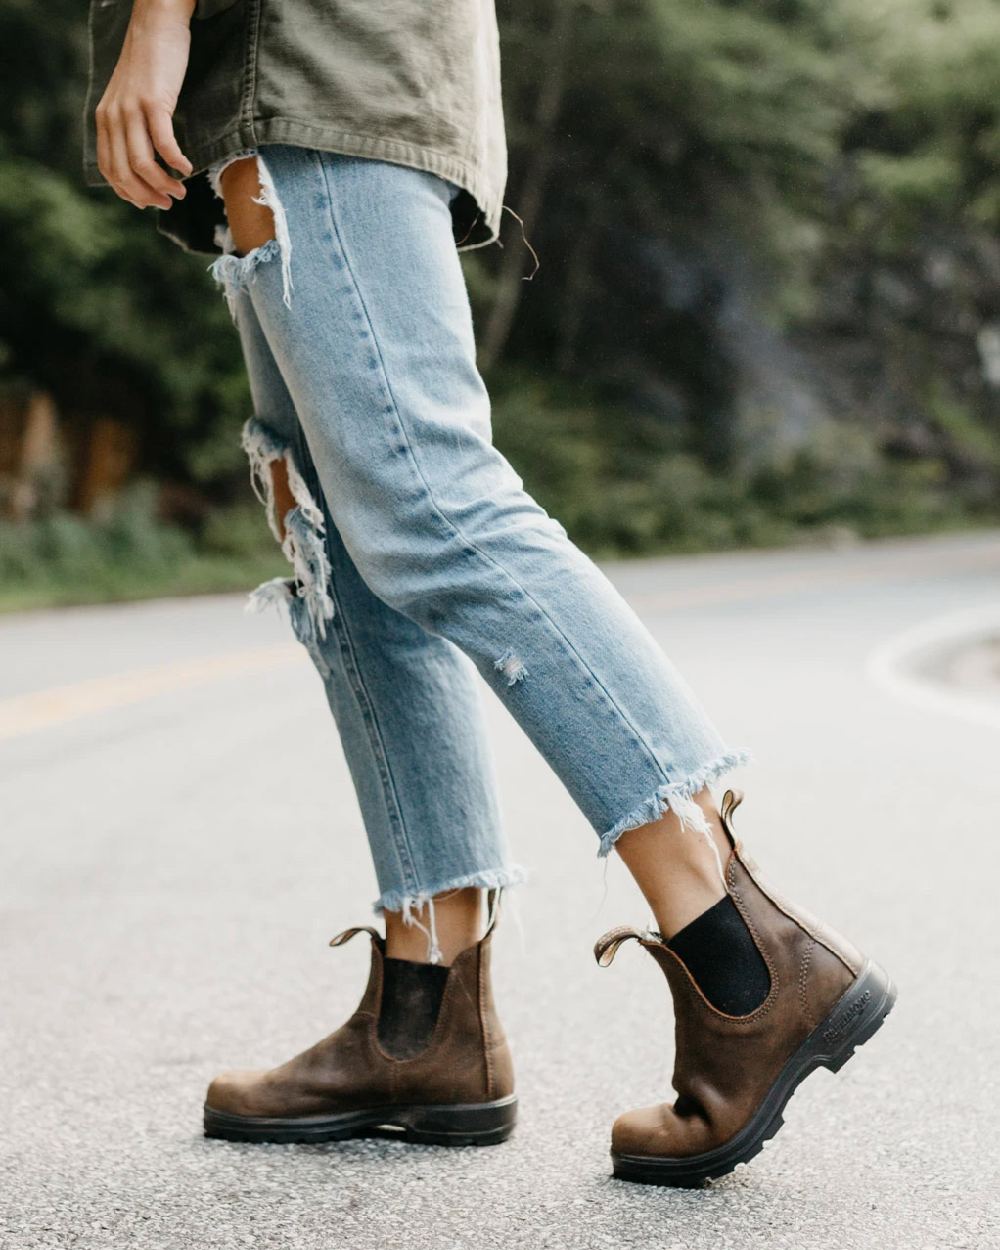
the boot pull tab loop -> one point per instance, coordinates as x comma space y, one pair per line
342, 938
493, 897
730, 802
606, 947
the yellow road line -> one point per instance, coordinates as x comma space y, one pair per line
41, 709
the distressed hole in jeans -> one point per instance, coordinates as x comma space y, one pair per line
258, 225
512, 667
299, 525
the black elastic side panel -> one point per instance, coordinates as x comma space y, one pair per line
411, 1000
723, 958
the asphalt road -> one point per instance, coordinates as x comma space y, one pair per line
179, 840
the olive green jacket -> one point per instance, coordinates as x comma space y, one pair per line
416, 82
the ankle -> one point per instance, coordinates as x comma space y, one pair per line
678, 868
691, 896
437, 931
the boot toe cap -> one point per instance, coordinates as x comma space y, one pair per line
638, 1132
659, 1132
233, 1092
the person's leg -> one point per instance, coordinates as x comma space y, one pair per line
805, 997
371, 329
677, 869
406, 703
425, 1050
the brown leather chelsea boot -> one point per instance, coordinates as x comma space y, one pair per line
453, 1084
734, 1074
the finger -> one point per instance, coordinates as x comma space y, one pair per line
129, 186
116, 160
118, 173
143, 162
103, 148
161, 130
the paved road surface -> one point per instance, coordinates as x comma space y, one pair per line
179, 840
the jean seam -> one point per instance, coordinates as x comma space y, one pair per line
366, 706
295, 445
362, 695
448, 522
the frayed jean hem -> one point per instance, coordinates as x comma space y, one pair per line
675, 796
486, 879
409, 905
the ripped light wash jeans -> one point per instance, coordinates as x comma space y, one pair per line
417, 557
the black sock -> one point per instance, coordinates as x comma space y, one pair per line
411, 999
723, 958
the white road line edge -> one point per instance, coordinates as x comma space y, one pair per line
891, 665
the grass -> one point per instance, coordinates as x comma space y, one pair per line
199, 575
62, 559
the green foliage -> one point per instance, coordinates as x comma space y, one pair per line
621, 494
930, 147
95, 306
130, 553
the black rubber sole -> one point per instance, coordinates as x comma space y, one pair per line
459, 1124
858, 1014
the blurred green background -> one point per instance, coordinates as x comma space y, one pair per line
768, 307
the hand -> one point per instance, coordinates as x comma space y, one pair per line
135, 116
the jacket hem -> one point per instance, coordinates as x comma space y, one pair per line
469, 177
